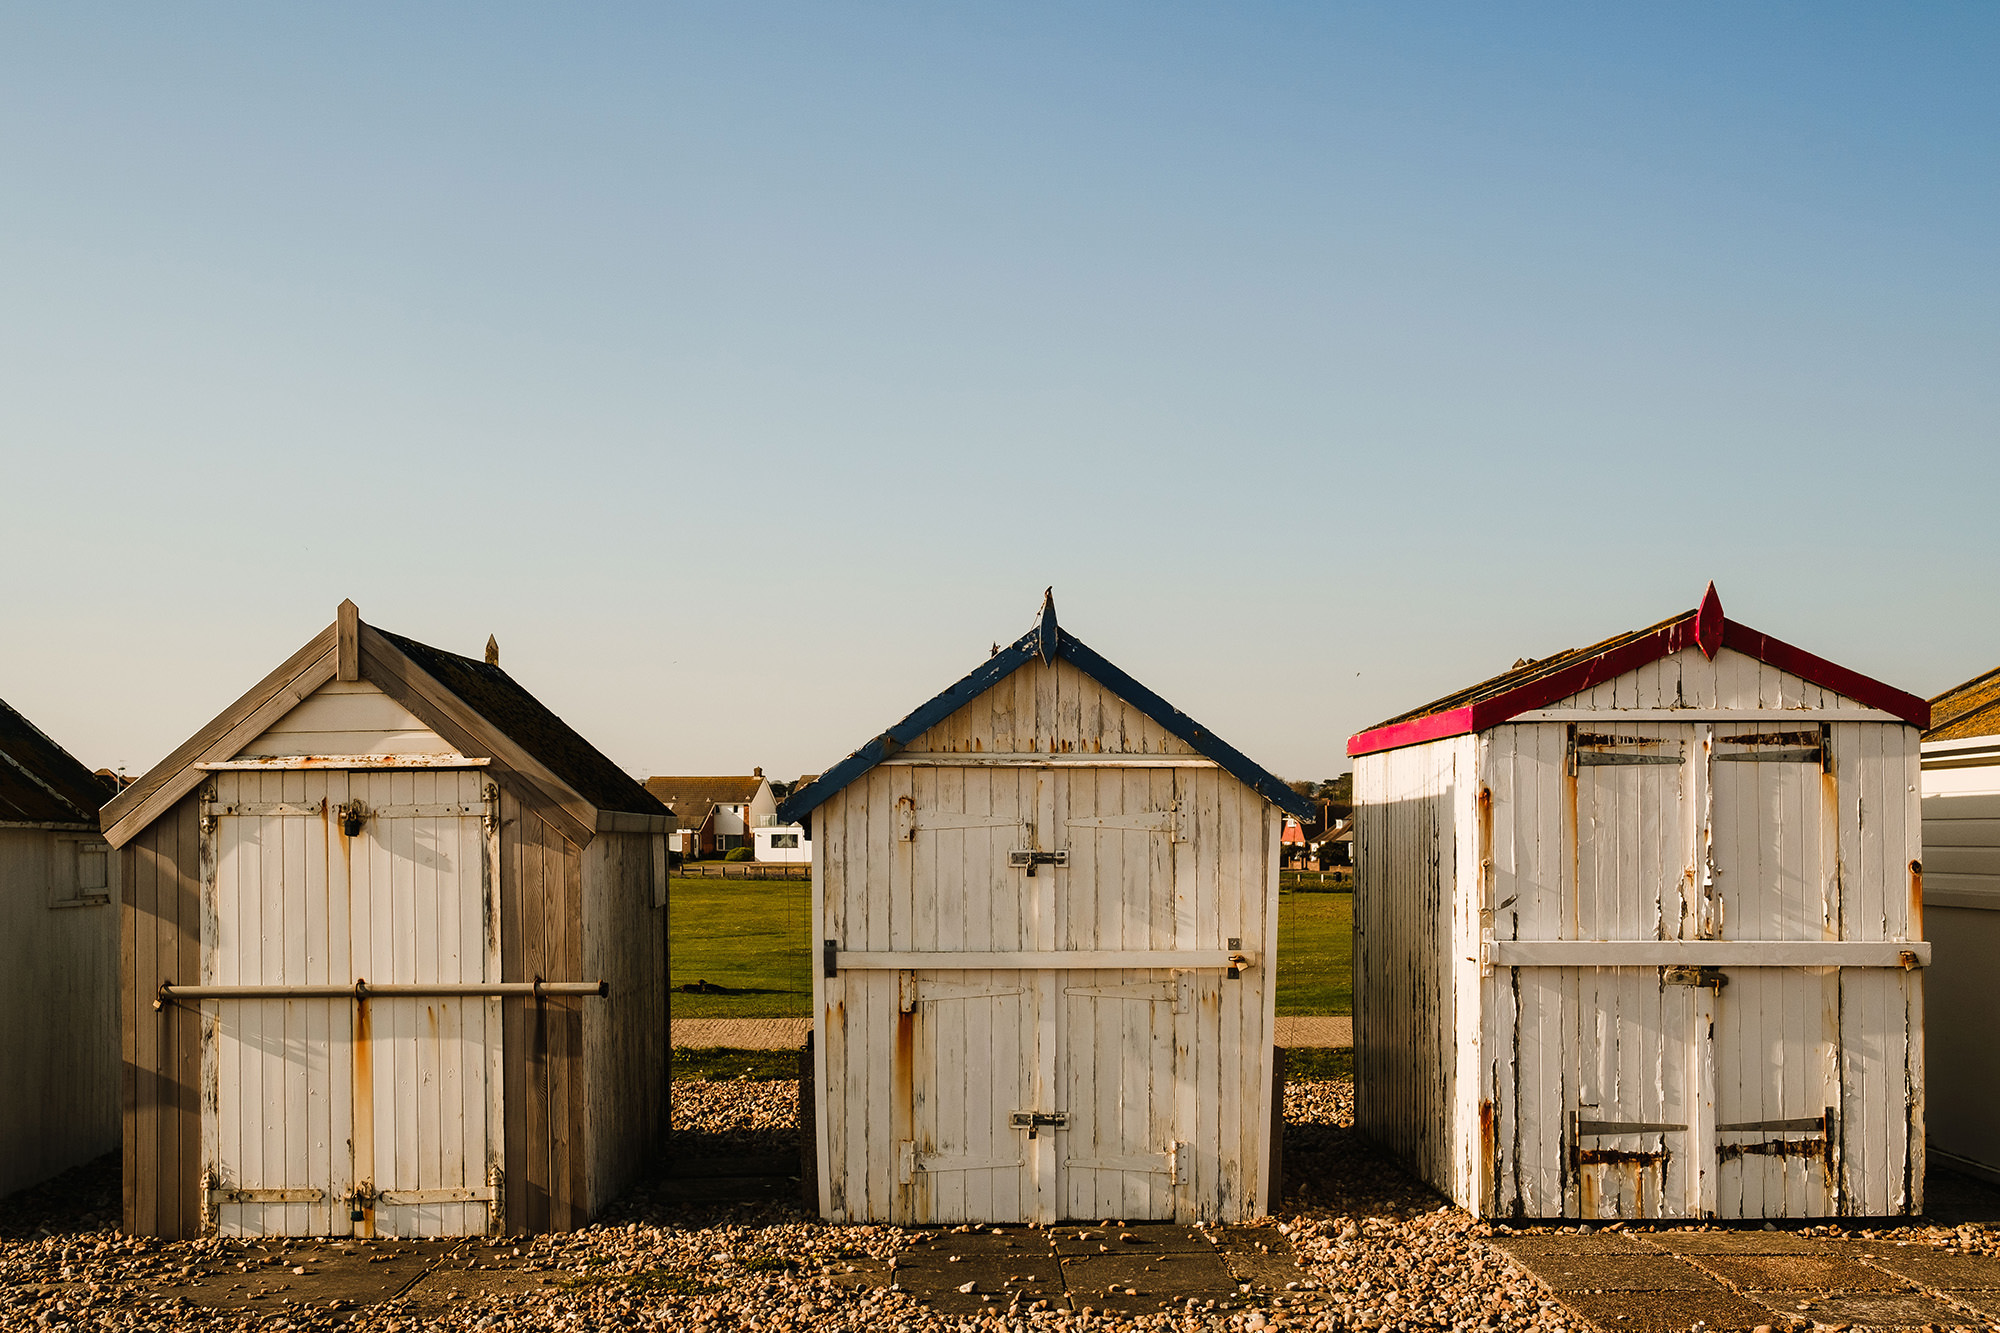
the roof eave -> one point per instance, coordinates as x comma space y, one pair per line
1028, 647
1669, 639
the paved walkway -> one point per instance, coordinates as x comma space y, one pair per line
786, 1034
1654, 1281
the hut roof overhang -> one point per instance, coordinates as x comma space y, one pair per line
1968, 710
475, 706
1542, 683
42, 784
1046, 642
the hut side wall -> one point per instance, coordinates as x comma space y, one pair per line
541, 918
160, 940
59, 984
624, 1034
1961, 812
1411, 807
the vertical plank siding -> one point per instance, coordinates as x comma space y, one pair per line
1961, 886
1603, 1091
434, 1093
161, 942
1163, 1073
624, 1043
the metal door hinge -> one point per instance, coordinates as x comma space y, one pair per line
829, 958
1693, 976
1027, 859
1034, 1120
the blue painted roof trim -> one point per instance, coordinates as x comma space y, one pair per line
1030, 646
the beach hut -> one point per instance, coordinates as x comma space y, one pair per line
1047, 907
58, 960
1961, 771
394, 957
1637, 934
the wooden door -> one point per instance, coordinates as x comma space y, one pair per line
972, 1040
1123, 1089
1776, 1057
1631, 1131
366, 1116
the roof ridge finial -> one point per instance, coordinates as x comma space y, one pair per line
492, 650
1050, 634
1708, 622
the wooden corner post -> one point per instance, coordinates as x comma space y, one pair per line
347, 629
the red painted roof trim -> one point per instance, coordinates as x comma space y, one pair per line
1828, 675
1594, 671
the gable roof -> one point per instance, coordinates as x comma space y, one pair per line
500, 699
479, 709
1540, 683
692, 798
40, 782
1971, 709
1046, 642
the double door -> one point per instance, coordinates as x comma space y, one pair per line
1067, 1038
1702, 1091
327, 1110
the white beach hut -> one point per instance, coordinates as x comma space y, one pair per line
1637, 929
1048, 907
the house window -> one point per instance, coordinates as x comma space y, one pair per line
81, 875
784, 840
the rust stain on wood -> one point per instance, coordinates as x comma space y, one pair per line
364, 1120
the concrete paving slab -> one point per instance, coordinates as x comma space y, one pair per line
1141, 1283
1798, 1272
1564, 1273
1260, 1256
996, 1278
1603, 1244
1986, 1303
1927, 1267
1668, 1311
1739, 1242
1873, 1309
321, 1275
1147, 1236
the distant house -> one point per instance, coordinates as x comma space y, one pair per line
715, 814
58, 960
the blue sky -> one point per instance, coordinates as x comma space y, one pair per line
748, 369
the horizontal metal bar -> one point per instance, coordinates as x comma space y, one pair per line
406, 1198
291, 761
945, 759
368, 990
1812, 1124
1047, 960
1595, 1127
1711, 953
265, 1196
1618, 758
1791, 756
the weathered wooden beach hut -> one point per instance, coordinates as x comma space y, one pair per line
1047, 901
394, 957
1961, 772
1637, 929
58, 960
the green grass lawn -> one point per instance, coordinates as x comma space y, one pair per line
750, 940
748, 937
1315, 952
